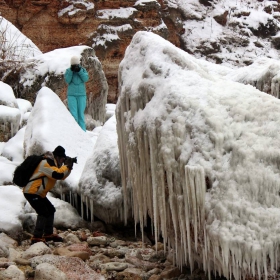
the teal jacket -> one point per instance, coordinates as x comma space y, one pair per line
76, 81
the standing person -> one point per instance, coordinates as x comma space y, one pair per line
76, 77
49, 170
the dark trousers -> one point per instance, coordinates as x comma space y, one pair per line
45, 211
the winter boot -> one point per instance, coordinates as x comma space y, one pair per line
37, 239
53, 237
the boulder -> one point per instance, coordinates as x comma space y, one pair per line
36, 249
8, 240
11, 273
73, 267
4, 249
46, 271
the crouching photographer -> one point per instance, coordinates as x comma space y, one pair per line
53, 166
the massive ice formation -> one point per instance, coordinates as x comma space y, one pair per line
201, 156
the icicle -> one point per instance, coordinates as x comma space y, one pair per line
276, 258
162, 206
62, 195
91, 210
182, 226
87, 206
187, 217
154, 181
122, 135
76, 200
196, 181
82, 206
70, 198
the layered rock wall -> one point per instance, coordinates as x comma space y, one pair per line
56, 24
108, 27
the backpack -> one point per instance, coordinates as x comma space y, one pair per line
24, 171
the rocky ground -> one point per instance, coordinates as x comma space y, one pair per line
87, 254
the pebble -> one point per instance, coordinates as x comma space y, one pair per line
108, 256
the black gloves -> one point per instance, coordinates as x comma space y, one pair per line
75, 67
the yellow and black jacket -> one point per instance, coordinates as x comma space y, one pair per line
47, 173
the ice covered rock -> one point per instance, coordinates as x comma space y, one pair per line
200, 154
10, 114
13, 149
9, 166
262, 74
66, 216
25, 108
11, 208
100, 183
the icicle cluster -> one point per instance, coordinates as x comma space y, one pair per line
164, 189
83, 204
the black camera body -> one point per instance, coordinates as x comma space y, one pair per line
74, 159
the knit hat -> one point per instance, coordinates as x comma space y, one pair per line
59, 151
75, 60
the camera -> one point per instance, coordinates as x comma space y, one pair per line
73, 160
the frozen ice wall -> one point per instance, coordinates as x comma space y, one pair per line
200, 155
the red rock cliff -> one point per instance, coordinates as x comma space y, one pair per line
107, 26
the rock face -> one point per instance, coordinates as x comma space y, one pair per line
108, 27
55, 24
